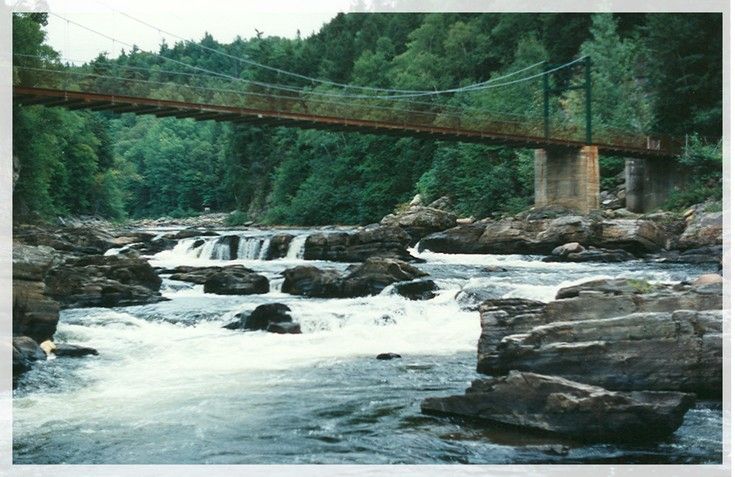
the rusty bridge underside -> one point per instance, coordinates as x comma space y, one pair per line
75, 100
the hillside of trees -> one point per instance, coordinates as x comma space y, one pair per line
651, 73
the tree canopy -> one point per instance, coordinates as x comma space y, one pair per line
651, 72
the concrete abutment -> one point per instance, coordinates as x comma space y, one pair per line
567, 178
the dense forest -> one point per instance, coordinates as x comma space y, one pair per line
651, 73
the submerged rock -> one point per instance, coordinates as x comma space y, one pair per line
284, 328
557, 405
387, 356
73, 351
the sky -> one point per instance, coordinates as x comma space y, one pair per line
183, 18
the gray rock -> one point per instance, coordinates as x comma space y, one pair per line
271, 317
370, 241
234, 281
416, 290
567, 248
200, 275
308, 280
278, 246
618, 334
703, 229
25, 352
555, 405
73, 351
369, 278
420, 221
592, 255
96, 280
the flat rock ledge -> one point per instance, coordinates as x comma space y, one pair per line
551, 404
624, 335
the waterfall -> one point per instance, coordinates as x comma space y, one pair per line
206, 250
249, 248
297, 247
263, 255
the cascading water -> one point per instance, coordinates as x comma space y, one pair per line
297, 247
170, 385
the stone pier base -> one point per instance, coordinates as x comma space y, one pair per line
568, 178
650, 182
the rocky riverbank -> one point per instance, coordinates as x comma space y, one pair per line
607, 360
71, 266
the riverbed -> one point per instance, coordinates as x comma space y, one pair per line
170, 385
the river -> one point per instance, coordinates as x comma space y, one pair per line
170, 385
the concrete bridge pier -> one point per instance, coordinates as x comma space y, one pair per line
567, 178
650, 182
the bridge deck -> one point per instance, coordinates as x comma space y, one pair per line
167, 108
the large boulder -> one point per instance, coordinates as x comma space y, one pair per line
271, 317
369, 241
311, 281
236, 281
635, 236
371, 277
25, 352
420, 221
416, 289
368, 278
95, 280
619, 334
703, 229
278, 246
460, 239
35, 314
557, 405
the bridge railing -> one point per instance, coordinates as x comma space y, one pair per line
439, 118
